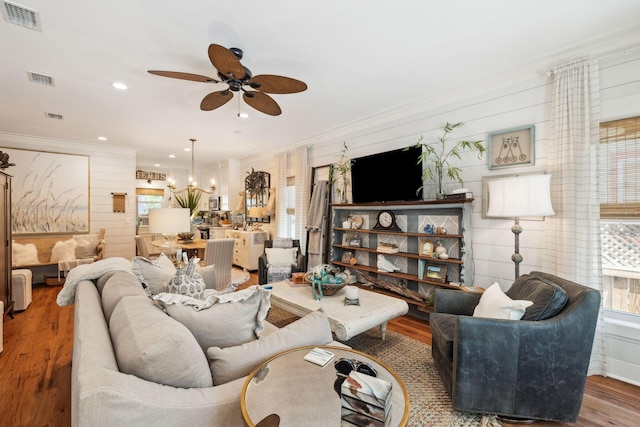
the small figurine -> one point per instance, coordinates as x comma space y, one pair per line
429, 229
386, 265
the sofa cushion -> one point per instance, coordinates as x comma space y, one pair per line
228, 364
153, 273
443, 329
102, 280
548, 298
495, 304
233, 319
119, 285
152, 346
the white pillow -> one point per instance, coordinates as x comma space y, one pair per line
208, 273
281, 255
24, 254
154, 274
495, 304
64, 251
228, 364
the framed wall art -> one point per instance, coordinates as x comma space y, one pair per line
436, 272
511, 147
50, 192
425, 248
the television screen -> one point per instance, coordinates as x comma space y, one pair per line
391, 176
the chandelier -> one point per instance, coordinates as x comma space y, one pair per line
192, 186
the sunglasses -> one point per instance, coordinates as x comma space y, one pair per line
345, 366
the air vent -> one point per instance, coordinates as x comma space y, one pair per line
54, 116
21, 15
41, 78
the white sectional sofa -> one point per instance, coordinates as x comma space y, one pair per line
126, 349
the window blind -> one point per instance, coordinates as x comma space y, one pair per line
620, 168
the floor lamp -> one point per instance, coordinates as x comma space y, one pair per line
169, 222
521, 196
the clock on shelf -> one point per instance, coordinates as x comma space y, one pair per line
386, 221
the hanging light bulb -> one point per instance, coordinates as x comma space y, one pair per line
193, 185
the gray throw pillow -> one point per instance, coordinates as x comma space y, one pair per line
228, 364
119, 285
235, 318
153, 273
152, 346
548, 298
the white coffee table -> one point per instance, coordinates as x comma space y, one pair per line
346, 321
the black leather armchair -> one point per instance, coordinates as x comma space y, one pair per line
300, 266
534, 368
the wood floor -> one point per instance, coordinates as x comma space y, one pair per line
35, 371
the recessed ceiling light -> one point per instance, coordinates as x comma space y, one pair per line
119, 85
102, 138
243, 115
157, 165
173, 156
187, 149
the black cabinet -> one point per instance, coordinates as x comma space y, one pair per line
5, 243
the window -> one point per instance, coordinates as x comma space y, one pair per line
619, 158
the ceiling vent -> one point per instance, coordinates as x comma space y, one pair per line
21, 15
41, 79
54, 116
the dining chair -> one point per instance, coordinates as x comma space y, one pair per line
219, 252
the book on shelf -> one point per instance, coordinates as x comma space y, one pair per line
319, 356
459, 196
387, 248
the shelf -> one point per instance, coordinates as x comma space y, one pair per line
400, 233
402, 254
397, 275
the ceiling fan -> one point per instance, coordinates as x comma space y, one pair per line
239, 78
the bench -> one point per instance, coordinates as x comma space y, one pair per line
89, 248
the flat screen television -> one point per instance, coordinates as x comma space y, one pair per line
391, 176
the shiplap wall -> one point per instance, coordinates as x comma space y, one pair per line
112, 169
524, 103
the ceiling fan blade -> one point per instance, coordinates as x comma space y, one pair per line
276, 84
215, 100
225, 62
184, 76
262, 102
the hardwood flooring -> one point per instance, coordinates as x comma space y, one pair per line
35, 371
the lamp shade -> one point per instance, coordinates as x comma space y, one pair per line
520, 196
169, 220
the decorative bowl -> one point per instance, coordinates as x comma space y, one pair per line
329, 289
185, 236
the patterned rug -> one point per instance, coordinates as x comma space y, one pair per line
411, 360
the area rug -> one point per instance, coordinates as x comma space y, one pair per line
239, 276
411, 360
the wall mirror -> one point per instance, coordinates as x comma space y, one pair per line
257, 187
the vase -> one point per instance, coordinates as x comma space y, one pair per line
439, 190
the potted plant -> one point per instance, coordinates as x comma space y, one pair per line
189, 199
340, 173
437, 156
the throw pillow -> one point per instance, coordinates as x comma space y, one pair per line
234, 318
182, 284
548, 298
228, 364
281, 256
208, 273
152, 346
26, 254
153, 274
495, 304
85, 248
64, 251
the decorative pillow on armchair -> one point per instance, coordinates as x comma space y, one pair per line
281, 256
495, 304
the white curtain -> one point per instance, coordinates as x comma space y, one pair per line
295, 161
302, 173
572, 235
281, 203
